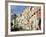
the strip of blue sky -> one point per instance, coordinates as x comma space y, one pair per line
17, 9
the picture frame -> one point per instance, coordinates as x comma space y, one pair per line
11, 8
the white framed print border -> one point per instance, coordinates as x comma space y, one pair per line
21, 10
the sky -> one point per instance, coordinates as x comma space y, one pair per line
17, 9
